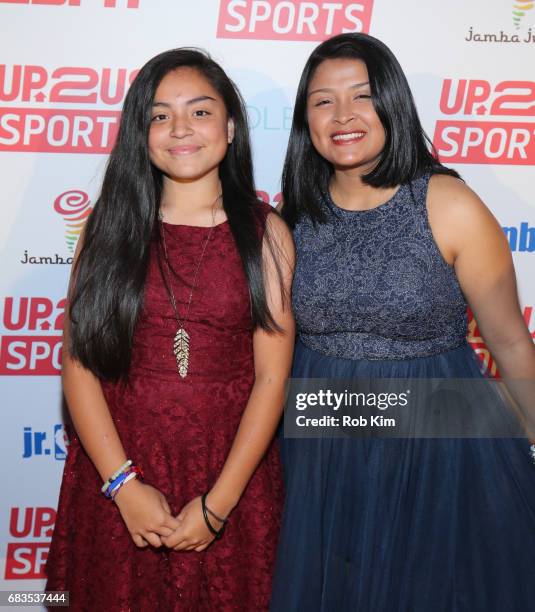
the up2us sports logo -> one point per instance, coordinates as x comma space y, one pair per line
30, 530
67, 109
31, 341
486, 123
291, 20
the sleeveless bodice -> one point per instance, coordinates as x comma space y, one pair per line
218, 321
372, 284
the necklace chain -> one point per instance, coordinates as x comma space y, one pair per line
181, 347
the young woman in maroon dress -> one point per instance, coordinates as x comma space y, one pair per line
177, 347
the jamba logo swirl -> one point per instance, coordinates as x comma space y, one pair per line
74, 207
520, 8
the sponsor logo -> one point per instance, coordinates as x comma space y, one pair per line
132, 4
74, 207
519, 9
478, 140
499, 37
265, 197
73, 125
488, 365
35, 443
269, 119
25, 557
291, 20
522, 238
31, 340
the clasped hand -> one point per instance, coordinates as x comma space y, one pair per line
192, 532
148, 518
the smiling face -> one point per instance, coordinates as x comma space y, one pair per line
190, 129
344, 127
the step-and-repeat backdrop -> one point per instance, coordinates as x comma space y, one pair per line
65, 68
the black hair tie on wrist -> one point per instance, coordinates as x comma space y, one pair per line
214, 532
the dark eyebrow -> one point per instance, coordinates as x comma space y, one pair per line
327, 89
189, 102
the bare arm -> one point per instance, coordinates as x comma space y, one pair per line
471, 239
143, 508
272, 360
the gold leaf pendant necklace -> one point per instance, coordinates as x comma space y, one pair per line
181, 346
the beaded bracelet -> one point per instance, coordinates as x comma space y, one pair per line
115, 474
121, 480
217, 533
532, 453
130, 476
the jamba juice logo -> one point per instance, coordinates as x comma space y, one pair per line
507, 35
520, 8
74, 207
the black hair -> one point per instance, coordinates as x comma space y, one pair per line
407, 154
107, 285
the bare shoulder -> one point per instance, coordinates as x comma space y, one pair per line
278, 228
280, 243
451, 197
458, 217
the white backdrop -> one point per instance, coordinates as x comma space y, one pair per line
66, 65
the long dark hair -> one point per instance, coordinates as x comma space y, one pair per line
407, 153
106, 292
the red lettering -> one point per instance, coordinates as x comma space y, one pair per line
478, 91
40, 310
35, 78
14, 529
446, 106
91, 81
502, 104
16, 79
120, 85
113, 4
44, 518
132, 4
9, 323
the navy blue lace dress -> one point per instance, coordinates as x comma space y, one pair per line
396, 525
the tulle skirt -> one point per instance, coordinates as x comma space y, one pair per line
405, 525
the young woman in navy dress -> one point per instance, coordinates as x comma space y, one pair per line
391, 247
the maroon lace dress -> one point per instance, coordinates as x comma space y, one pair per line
179, 431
